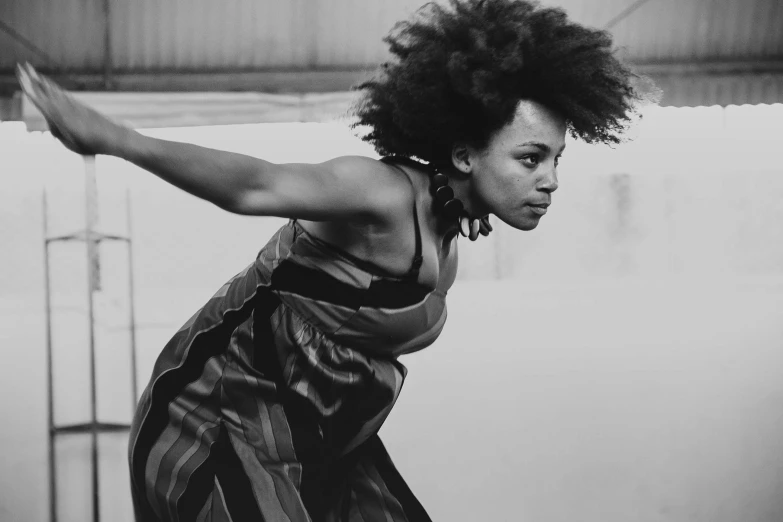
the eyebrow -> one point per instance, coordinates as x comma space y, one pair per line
543, 146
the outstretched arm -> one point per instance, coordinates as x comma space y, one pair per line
349, 187
342, 188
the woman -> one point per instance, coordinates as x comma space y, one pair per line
267, 402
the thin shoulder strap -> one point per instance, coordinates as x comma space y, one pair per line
418, 259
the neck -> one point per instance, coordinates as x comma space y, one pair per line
464, 190
436, 222
461, 184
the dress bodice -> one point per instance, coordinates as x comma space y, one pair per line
350, 300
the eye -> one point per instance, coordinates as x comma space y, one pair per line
531, 160
557, 160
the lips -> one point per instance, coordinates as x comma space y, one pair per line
539, 209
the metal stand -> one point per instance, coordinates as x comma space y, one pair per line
92, 239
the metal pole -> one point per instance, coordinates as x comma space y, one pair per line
625, 13
108, 81
49, 365
134, 389
91, 216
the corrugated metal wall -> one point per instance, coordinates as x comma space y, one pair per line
154, 36
207, 35
69, 31
689, 30
252, 34
203, 35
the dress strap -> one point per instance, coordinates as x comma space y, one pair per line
418, 258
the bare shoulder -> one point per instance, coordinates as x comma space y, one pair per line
373, 235
344, 189
375, 172
386, 188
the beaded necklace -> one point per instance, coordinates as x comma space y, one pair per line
444, 202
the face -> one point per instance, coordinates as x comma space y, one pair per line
515, 175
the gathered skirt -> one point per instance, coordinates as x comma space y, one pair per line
240, 423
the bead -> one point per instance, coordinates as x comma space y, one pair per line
474, 229
464, 225
486, 223
452, 208
439, 180
443, 194
444, 202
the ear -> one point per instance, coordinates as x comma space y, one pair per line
461, 160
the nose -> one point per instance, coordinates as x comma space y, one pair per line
548, 182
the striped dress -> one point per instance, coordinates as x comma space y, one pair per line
265, 405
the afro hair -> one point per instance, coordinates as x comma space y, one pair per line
458, 72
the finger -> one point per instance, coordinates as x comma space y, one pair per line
25, 82
42, 103
32, 93
483, 230
44, 83
55, 94
48, 94
39, 81
31, 87
32, 72
28, 73
19, 73
39, 100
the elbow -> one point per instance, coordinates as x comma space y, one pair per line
234, 205
244, 203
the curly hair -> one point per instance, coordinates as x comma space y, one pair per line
457, 75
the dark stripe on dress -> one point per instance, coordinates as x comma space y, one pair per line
199, 485
246, 422
195, 434
391, 294
414, 511
301, 416
313, 284
264, 357
236, 486
165, 389
300, 280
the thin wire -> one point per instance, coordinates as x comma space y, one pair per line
625, 13
26, 43
30, 46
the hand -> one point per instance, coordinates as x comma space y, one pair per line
80, 128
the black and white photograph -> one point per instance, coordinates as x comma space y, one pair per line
391, 261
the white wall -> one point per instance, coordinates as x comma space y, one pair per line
625, 367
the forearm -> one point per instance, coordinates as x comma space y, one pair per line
217, 176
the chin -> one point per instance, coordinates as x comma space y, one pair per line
527, 226
521, 223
